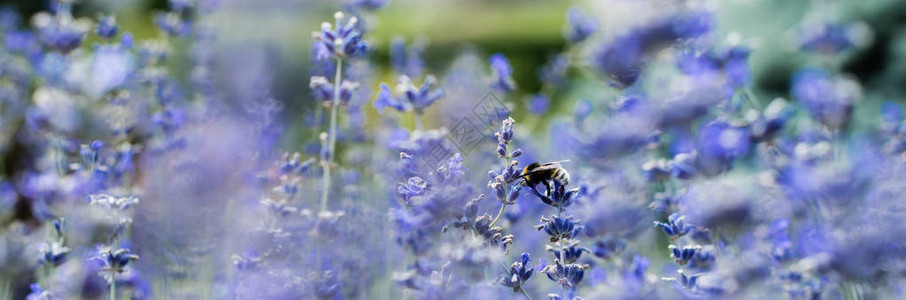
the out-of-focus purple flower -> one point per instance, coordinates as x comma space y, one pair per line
111, 66
106, 27
21, 42
539, 104
681, 256
583, 109
38, 293
636, 270
826, 37
53, 254
9, 18
344, 41
581, 26
554, 72
694, 97
615, 136
370, 5
173, 23
623, 58
327, 286
718, 144
58, 106
768, 125
891, 115
115, 260
501, 73
683, 165
829, 98
731, 61
405, 61
8, 198
686, 281
248, 260
60, 31
719, 204
838, 184
413, 98
323, 90
179, 5
656, 170
569, 254
567, 276
609, 248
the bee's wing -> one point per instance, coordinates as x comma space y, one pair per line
556, 162
542, 168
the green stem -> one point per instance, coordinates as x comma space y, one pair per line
112, 285
332, 134
506, 193
521, 290
499, 213
418, 120
58, 161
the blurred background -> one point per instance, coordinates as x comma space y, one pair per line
263, 52
276, 36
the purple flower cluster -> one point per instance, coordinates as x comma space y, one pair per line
660, 153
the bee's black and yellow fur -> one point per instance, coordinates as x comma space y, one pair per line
536, 173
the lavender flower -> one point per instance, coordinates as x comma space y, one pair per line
323, 90
502, 73
580, 26
682, 255
60, 31
829, 98
342, 41
568, 276
609, 248
556, 194
115, 261
407, 61
518, 274
623, 58
38, 293
675, 226
413, 98
539, 104
559, 228
830, 38
106, 27
683, 280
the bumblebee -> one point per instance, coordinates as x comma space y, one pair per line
536, 173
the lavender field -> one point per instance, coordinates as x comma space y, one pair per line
452, 149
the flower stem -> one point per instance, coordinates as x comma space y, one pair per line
332, 134
506, 193
499, 213
418, 121
522, 290
58, 153
112, 285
